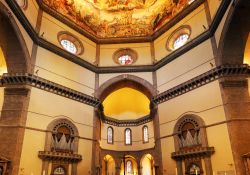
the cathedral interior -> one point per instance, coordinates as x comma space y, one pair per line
124, 87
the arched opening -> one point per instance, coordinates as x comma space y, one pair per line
108, 165
12, 44
235, 34
126, 103
3, 66
247, 51
126, 97
130, 166
147, 165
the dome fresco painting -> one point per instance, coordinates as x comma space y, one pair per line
118, 18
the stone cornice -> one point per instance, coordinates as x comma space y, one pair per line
59, 156
120, 69
205, 78
125, 123
193, 152
41, 83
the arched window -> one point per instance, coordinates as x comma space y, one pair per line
145, 134
70, 43
129, 167
110, 135
178, 38
128, 136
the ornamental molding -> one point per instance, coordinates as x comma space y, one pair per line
12, 79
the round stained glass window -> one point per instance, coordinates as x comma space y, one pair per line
125, 56
70, 43
125, 60
180, 41
69, 46
178, 38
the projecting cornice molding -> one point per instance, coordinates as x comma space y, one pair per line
205, 78
121, 69
41, 83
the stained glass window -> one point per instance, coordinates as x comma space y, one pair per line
180, 41
128, 138
59, 171
125, 60
129, 167
110, 135
145, 134
69, 46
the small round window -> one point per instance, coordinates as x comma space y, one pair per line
178, 38
125, 60
125, 56
70, 43
69, 46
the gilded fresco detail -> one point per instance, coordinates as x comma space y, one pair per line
118, 18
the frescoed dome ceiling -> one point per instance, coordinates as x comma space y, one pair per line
117, 18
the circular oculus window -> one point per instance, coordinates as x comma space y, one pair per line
125, 57
178, 38
70, 43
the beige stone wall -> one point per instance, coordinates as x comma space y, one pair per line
59, 70
119, 142
205, 102
185, 67
43, 109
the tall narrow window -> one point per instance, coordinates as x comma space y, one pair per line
128, 136
145, 134
110, 135
129, 167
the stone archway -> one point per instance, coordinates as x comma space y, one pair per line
13, 44
234, 34
125, 80
16, 98
234, 90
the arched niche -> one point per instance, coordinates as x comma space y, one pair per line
60, 126
194, 124
108, 165
13, 44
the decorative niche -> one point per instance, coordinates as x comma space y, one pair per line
125, 57
178, 38
70, 43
